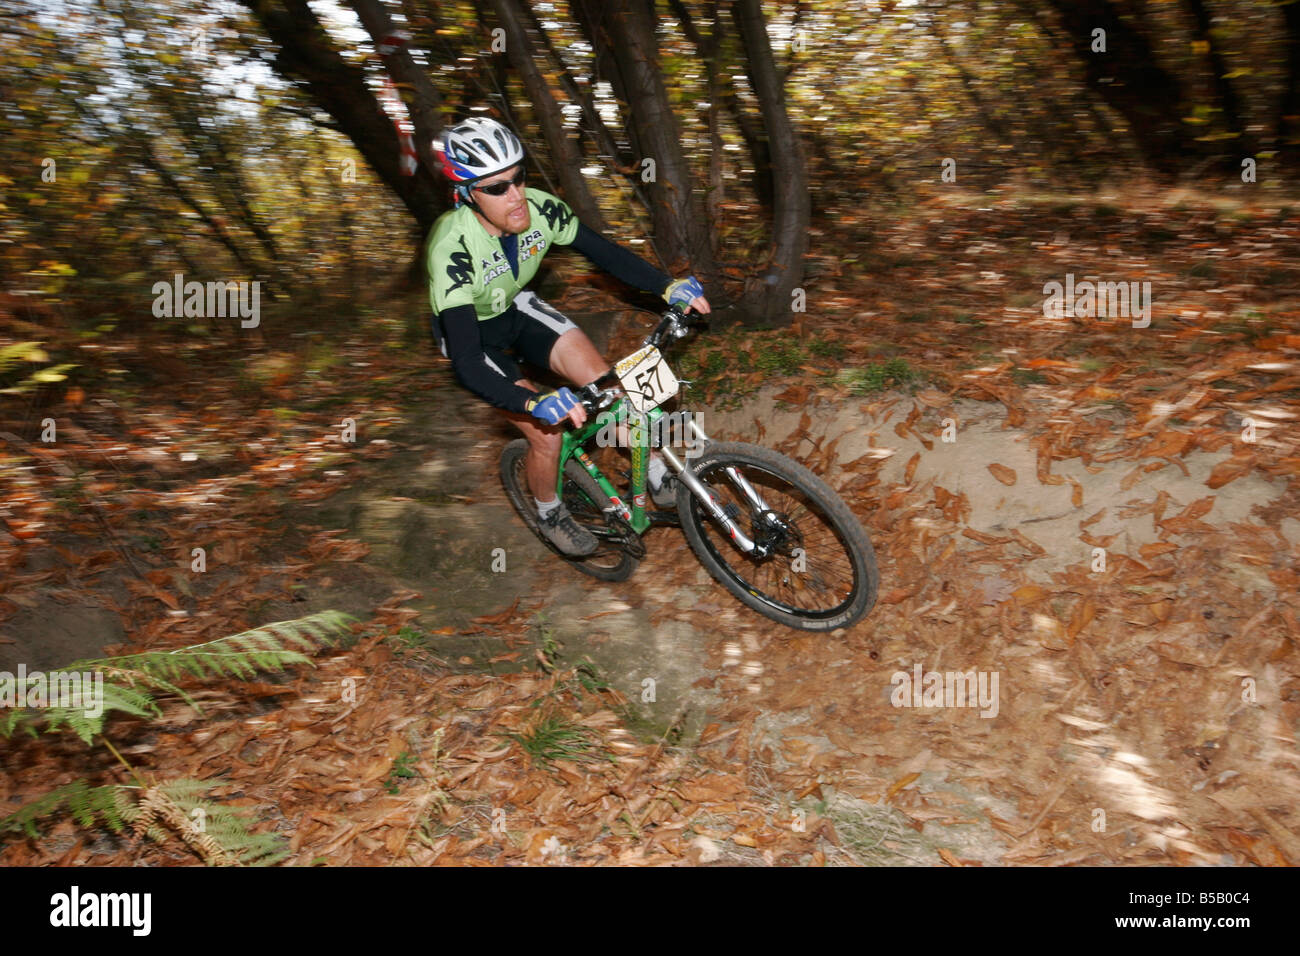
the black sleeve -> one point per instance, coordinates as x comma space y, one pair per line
470, 362
618, 262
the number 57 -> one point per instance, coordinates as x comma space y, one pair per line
643, 381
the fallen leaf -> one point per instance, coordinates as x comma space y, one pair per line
983, 537
1076, 493
1148, 551
1166, 444
1028, 594
910, 471
1098, 393
1028, 543
899, 784
499, 618
1083, 614
1003, 474
1228, 470
934, 398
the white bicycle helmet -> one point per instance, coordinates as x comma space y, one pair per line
475, 148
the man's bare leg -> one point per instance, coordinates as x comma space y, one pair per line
575, 357
557, 525
543, 449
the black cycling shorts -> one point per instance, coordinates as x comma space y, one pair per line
528, 330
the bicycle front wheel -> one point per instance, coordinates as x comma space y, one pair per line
821, 572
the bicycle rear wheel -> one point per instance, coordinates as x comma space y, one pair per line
582, 496
821, 573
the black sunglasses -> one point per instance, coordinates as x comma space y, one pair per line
502, 187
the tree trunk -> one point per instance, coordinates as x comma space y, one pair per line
1128, 78
760, 150
623, 159
581, 94
988, 118
307, 56
723, 88
1288, 115
716, 195
682, 231
708, 50
1225, 93
563, 149
606, 69
417, 91
772, 297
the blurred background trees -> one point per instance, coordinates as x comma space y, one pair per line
256, 140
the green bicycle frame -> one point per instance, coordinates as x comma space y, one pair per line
639, 431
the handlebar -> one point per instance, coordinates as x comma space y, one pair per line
675, 323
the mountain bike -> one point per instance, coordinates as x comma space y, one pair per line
765, 527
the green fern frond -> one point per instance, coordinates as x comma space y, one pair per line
11, 720
239, 655
105, 697
111, 805
115, 697
131, 677
220, 834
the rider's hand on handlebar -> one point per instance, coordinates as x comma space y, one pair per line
554, 407
687, 292
700, 304
577, 416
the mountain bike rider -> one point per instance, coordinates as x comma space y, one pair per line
480, 256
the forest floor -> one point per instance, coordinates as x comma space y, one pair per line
1110, 533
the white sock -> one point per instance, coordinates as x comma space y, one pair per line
658, 471
546, 507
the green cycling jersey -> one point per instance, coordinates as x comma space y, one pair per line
468, 266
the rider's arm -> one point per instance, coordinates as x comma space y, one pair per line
619, 262
470, 362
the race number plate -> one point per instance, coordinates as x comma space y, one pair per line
646, 378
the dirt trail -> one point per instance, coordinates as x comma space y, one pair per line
438, 523
1049, 514
1142, 709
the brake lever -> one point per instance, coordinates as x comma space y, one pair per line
596, 399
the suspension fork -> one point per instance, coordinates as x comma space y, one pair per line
732, 472
706, 497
